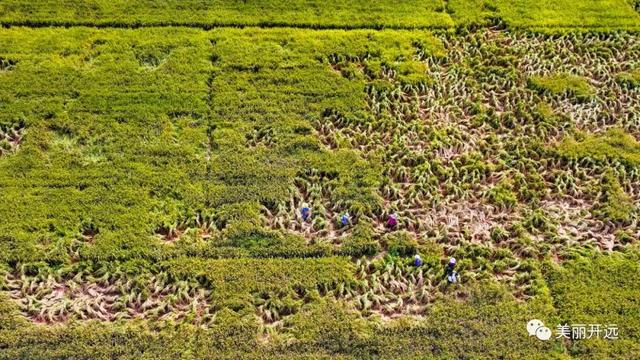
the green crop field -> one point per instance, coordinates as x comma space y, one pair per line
326, 14
155, 157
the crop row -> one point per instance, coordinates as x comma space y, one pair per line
171, 291
329, 14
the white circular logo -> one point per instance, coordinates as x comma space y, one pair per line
543, 333
533, 325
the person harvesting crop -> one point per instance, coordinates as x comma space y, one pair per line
452, 275
392, 221
345, 220
305, 212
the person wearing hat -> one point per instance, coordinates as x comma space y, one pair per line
452, 275
392, 221
417, 261
344, 219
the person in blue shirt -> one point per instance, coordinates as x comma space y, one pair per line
417, 261
344, 219
305, 212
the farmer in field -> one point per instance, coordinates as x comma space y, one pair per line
344, 219
305, 212
417, 261
392, 222
452, 275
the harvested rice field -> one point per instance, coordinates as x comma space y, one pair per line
223, 179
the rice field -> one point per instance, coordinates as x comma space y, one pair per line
155, 158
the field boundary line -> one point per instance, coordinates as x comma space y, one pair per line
213, 25
284, 25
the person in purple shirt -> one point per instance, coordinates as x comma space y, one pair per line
392, 221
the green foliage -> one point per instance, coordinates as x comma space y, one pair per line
9, 315
563, 84
604, 14
234, 278
400, 243
599, 290
629, 79
502, 195
94, 340
472, 13
330, 326
545, 15
169, 156
287, 247
614, 144
361, 242
211, 13
473, 327
567, 13
614, 203
537, 221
